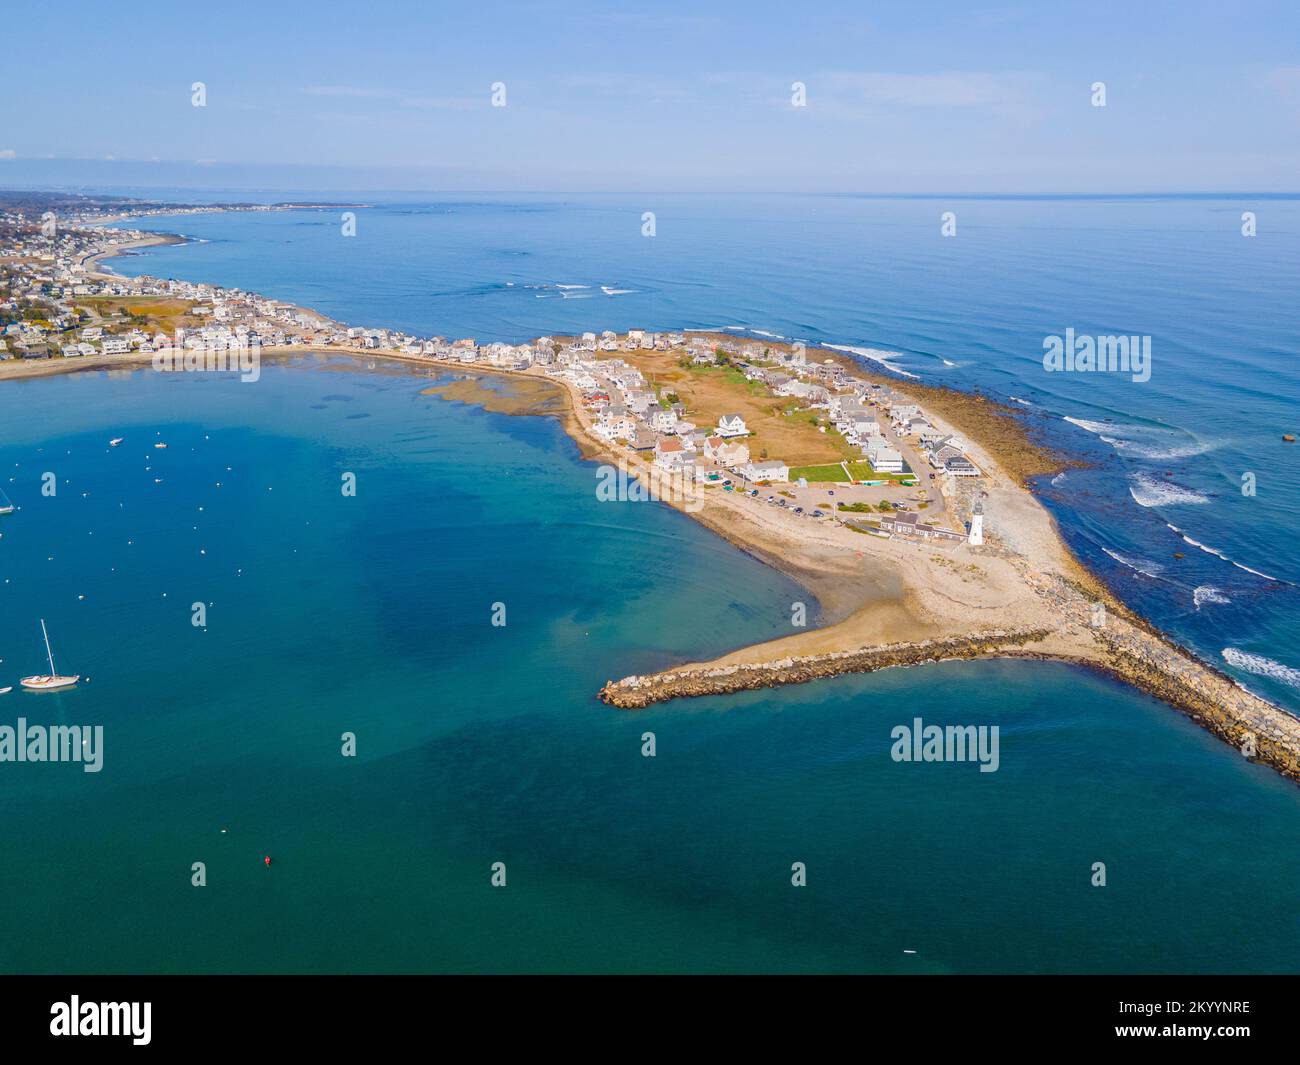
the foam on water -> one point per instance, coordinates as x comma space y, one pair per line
1205, 593
876, 355
1261, 666
1147, 569
1147, 491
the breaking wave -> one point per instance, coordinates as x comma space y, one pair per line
1261, 666
1206, 593
876, 355
1147, 569
1217, 553
1142, 441
1147, 491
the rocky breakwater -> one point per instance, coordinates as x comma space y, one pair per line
635, 693
1258, 729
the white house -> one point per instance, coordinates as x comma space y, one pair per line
726, 454
671, 454
765, 471
663, 420
883, 458
732, 425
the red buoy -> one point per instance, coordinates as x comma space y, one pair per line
267, 860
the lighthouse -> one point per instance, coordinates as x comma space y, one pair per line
977, 525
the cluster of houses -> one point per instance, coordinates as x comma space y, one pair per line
51, 272
626, 409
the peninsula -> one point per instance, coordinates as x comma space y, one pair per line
902, 507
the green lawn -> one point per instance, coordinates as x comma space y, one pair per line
828, 473
862, 471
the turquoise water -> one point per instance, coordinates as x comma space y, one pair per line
479, 744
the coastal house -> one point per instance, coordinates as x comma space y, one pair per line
770, 470
622, 427
725, 453
908, 523
671, 454
883, 458
662, 420
730, 425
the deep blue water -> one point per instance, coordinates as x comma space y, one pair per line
970, 310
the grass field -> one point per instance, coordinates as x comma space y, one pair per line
862, 471
824, 474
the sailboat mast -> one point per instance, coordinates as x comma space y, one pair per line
48, 653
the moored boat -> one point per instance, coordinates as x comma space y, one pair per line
51, 681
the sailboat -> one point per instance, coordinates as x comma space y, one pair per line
6, 506
51, 682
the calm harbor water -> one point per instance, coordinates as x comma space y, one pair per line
479, 744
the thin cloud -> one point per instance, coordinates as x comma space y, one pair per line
955, 89
397, 98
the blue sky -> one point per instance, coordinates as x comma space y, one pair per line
901, 97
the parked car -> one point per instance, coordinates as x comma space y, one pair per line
798, 510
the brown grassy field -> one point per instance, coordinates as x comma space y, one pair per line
165, 315
712, 391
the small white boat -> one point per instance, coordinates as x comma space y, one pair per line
51, 681
160, 445
115, 441
5, 691
6, 507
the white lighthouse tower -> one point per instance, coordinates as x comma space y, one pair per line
977, 525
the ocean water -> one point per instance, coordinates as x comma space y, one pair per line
478, 744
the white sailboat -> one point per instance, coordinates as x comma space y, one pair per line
52, 681
6, 506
